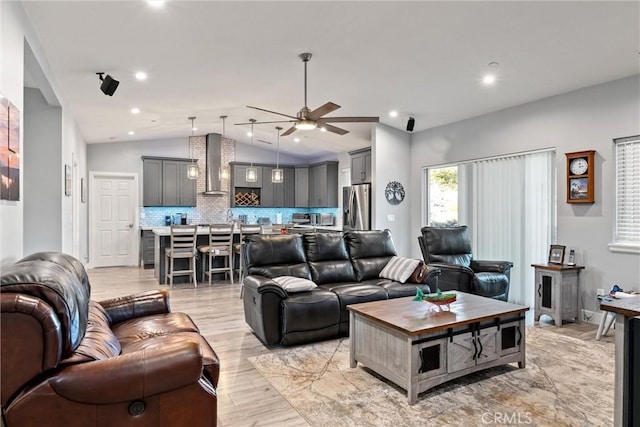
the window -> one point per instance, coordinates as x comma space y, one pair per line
627, 225
442, 193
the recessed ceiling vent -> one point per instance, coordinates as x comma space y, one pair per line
213, 165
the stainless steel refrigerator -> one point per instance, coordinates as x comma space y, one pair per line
356, 207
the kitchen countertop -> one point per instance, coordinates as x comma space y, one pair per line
166, 230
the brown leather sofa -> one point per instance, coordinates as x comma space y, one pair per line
69, 361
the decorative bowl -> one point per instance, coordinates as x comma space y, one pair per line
438, 299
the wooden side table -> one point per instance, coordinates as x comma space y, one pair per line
557, 292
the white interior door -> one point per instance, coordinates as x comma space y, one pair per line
114, 219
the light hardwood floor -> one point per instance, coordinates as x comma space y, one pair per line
245, 398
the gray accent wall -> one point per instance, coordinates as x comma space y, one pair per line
585, 119
390, 160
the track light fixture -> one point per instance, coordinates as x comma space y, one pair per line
109, 84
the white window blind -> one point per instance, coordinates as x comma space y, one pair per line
627, 229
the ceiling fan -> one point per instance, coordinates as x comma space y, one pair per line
307, 119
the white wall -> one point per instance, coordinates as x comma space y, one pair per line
390, 160
585, 119
15, 30
42, 132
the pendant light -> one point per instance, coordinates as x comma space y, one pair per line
277, 174
192, 171
224, 169
252, 173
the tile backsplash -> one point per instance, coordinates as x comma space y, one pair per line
155, 216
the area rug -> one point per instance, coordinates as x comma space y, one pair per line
566, 381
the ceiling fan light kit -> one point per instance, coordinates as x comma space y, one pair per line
307, 119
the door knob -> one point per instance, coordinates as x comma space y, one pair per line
130, 225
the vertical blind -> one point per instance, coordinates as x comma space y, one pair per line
627, 229
512, 215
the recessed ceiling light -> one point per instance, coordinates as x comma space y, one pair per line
131, 132
155, 3
296, 139
141, 75
393, 113
489, 79
194, 128
135, 110
249, 134
323, 129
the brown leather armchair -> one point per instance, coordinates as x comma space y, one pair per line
69, 361
449, 249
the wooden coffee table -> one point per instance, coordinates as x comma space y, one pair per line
417, 346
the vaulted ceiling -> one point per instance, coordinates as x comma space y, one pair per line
423, 59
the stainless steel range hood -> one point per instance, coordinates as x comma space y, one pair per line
213, 164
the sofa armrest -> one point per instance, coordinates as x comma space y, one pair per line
131, 376
480, 266
262, 285
454, 277
136, 305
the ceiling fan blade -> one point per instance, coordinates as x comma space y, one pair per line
272, 112
289, 131
349, 119
262, 123
265, 142
334, 129
322, 110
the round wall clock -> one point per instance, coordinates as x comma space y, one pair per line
394, 193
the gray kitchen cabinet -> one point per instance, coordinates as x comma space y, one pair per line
360, 166
165, 182
267, 196
278, 194
289, 187
323, 185
151, 182
147, 251
302, 187
240, 177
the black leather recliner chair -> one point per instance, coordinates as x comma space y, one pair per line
449, 248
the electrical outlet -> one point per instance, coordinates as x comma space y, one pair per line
600, 291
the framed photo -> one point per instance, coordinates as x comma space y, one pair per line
67, 180
9, 150
556, 254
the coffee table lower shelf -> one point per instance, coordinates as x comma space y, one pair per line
420, 362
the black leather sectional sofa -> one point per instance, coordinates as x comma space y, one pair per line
345, 267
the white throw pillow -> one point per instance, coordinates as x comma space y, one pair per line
399, 269
294, 284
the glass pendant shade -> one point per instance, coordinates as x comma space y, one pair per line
277, 175
252, 174
193, 171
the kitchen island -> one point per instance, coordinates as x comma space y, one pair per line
162, 240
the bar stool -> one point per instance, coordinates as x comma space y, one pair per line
183, 245
238, 248
220, 245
